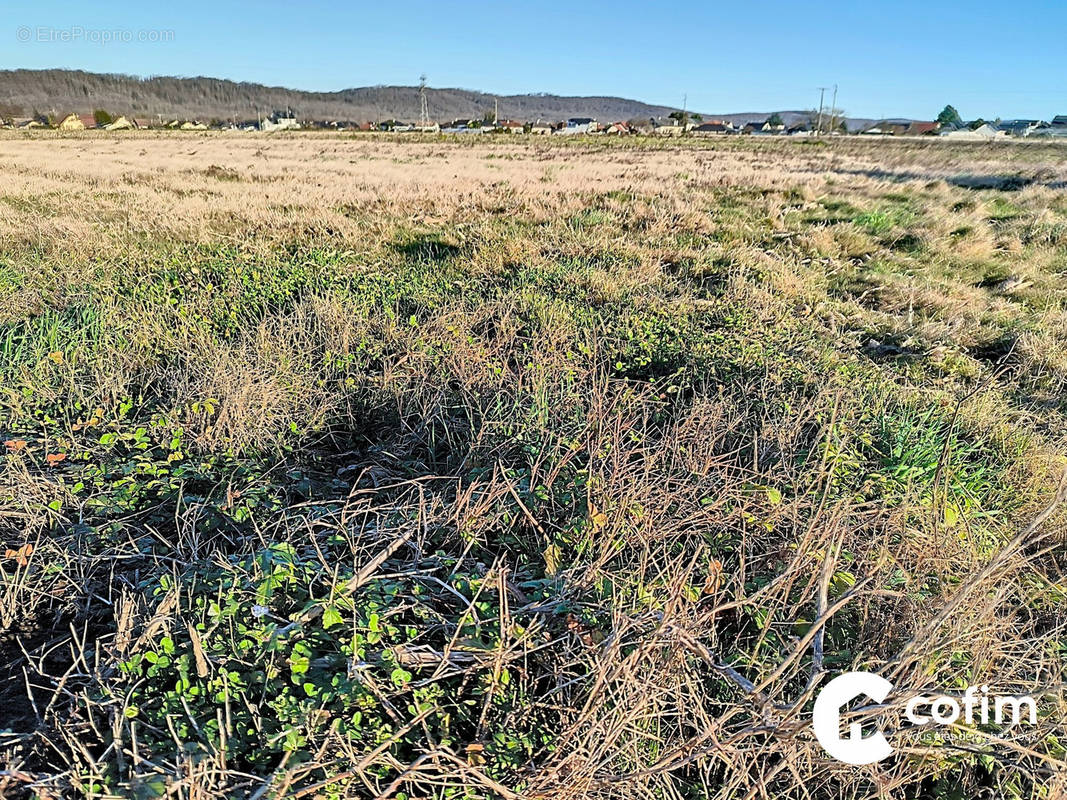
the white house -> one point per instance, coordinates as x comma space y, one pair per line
576, 125
280, 122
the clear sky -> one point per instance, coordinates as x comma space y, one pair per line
989, 58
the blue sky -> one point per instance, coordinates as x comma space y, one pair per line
901, 58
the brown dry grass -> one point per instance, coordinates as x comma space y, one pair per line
699, 423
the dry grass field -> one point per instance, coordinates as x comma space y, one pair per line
523, 468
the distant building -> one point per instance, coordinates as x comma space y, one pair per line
666, 126
761, 126
279, 121
120, 124
511, 126
887, 127
542, 128
713, 128
578, 125
983, 133
466, 126
72, 122
1020, 127
1056, 130
917, 128
901, 127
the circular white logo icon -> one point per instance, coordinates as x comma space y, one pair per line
826, 718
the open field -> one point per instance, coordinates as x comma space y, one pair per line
412, 468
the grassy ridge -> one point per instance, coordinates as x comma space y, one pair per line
525, 493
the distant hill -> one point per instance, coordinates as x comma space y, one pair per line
25, 92
22, 92
789, 118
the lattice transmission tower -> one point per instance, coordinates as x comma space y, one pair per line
424, 113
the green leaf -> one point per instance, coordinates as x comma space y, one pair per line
299, 664
330, 617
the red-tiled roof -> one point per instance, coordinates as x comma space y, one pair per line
920, 128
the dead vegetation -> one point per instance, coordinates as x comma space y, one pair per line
363, 468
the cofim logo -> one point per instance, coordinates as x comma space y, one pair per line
855, 748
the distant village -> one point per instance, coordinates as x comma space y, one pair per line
676, 124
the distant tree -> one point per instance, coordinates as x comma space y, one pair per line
837, 120
697, 117
102, 117
683, 120
978, 123
775, 120
829, 120
8, 112
949, 116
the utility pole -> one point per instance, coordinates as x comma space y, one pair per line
496, 111
833, 111
818, 126
685, 111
